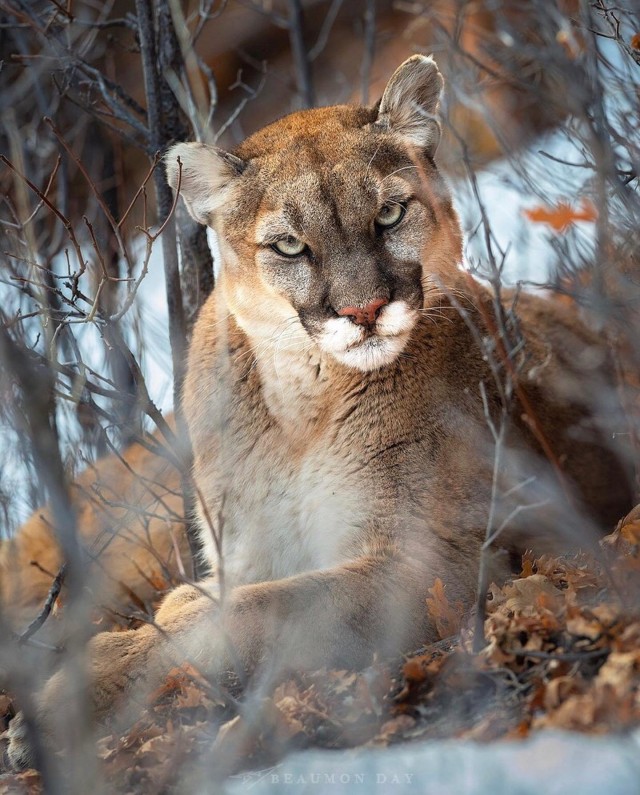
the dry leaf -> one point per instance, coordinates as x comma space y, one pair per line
528, 567
446, 617
393, 728
533, 593
177, 681
559, 690
583, 625
630, 529
621, 671
563, 215
27, 783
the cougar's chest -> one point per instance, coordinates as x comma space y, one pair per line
292, 512
297, 469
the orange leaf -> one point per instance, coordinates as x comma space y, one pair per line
563, 215
446, 617
635, 41
176, 681
414, 670
527, 565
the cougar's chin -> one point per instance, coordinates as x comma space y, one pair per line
369, 349
373, 353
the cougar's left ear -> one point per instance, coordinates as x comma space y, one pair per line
203, 173
409, 104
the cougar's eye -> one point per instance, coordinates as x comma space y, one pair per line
390, 215
289, 246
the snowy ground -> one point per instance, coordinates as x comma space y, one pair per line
555, 763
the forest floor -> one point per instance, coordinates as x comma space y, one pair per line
562, 652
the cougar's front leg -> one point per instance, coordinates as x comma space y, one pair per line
331, 617
334, 617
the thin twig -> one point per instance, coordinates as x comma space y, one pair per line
369, 49
577, 656
49, 604
301, 61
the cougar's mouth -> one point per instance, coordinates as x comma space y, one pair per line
369, 348
374, 352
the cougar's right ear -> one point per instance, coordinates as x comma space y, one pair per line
202, 173
409, 104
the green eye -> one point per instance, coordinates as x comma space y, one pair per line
289, 246
390, 214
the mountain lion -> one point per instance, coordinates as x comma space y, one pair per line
345, 382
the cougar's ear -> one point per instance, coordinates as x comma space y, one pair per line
202, 173
409, 104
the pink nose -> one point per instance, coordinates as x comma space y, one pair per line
364, 315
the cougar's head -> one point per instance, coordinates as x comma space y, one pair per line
333, 223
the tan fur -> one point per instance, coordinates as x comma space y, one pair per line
130, 523
341, 491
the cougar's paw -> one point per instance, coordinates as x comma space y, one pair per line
19, 752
